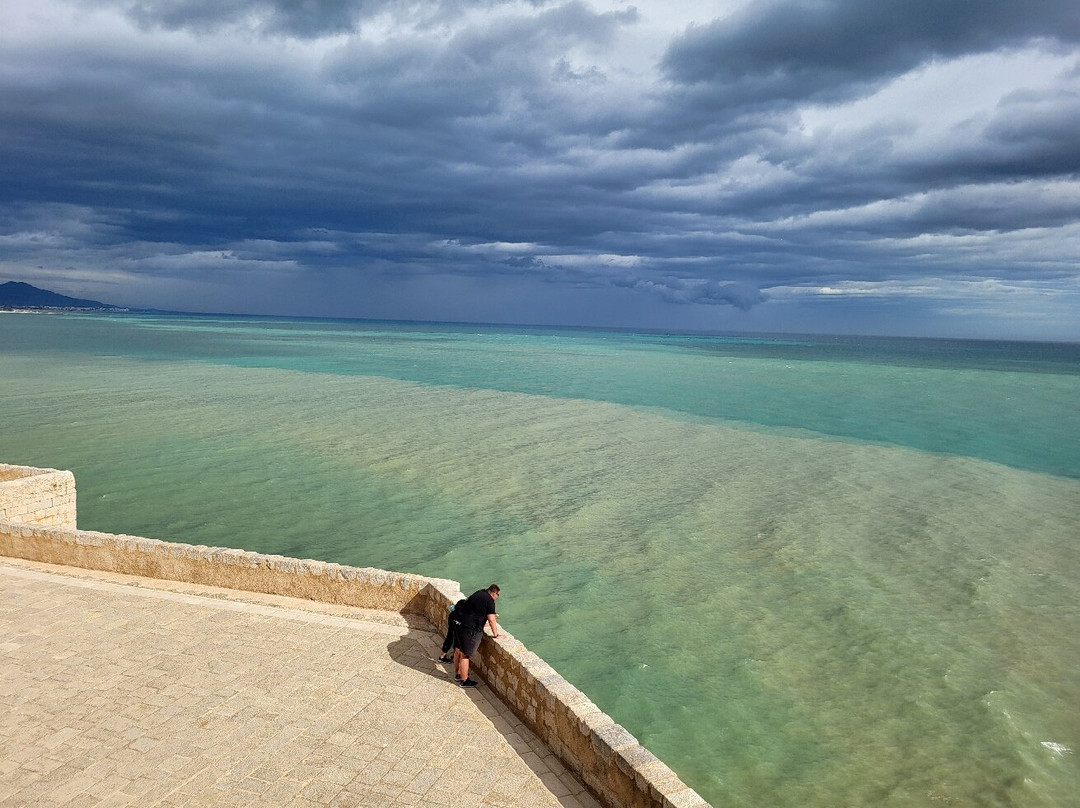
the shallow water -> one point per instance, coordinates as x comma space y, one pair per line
802, 572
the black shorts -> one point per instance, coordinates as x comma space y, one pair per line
467, 639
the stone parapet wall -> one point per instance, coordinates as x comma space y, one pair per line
607, 758
321, 581
604, 755
37, 496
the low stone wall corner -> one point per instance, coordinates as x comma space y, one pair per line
37, 523
606, 756
37, 496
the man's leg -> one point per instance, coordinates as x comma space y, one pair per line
468, 645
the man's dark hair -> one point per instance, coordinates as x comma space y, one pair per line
493, 589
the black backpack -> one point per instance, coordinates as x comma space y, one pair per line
457, 612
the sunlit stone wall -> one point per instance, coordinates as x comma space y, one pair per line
37, 496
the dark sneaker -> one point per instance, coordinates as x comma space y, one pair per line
457, 676
446, 660
469, 683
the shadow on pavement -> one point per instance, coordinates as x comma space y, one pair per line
419, 651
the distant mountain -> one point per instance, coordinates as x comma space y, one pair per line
16, 295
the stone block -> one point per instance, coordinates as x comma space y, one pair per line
631, 758
686, 798
608, 740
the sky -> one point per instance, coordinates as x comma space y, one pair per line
906, 167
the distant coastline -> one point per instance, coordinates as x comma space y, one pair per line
58, 309
16, 296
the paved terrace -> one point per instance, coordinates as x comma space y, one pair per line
117, 690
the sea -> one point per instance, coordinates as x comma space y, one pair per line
803, 570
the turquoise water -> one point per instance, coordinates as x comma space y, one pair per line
803, 571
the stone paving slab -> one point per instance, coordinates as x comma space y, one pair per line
124, 691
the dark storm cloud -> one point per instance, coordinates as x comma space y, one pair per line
520, 143
744, 76
1034, 134
665, 287
676, 290
303, 18
792, 49
297, 18
404, 136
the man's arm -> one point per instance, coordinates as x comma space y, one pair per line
494, 627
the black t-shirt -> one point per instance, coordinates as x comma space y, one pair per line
476, 609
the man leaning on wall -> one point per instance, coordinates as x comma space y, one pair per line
478, 608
